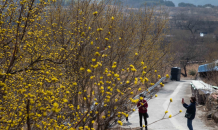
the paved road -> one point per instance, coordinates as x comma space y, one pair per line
158, 105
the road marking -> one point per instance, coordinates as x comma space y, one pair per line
173, 120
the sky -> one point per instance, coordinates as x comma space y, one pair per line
196, 2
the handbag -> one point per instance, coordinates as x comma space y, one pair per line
147, 116
188, 115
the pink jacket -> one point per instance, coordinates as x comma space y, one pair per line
141, 110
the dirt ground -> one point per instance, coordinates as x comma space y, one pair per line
202, 113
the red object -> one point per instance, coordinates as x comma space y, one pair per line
145, 106
182, 99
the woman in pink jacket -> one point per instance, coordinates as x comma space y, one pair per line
142, 106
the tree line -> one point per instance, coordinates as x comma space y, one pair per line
182, 4
168, 3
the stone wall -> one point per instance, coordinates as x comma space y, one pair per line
212, 107
200, 95
204, 97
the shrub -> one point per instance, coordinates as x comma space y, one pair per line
192, 72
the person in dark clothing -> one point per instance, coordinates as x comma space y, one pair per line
190, 113
142, 106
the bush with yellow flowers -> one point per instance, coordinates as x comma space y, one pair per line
67, 67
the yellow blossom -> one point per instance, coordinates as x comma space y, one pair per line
142, 63
89, 71
171, 100
97, 53
55, 105
120, 122
65, 100
93, 60
95, 13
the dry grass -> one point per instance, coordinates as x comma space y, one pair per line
188, 68
212, 79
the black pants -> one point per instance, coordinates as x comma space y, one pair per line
145, 119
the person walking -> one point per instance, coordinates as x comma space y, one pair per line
190, 113
142, 108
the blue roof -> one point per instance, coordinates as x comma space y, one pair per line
202, 68
206, 68
215, 68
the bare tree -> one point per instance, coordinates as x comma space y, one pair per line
187, 43
188, 22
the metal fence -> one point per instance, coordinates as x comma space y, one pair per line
151, 88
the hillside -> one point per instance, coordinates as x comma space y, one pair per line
137, 3
196, 2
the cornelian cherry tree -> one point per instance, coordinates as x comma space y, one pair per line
75, 66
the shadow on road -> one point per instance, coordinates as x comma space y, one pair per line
177, 81
126, 124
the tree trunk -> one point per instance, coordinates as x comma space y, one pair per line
184, 74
